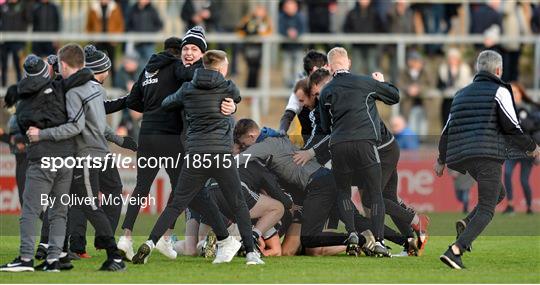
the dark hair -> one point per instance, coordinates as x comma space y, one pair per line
242, 127
175, 52
314, 58
72, 55
12, 96
212, 59
302, 84
317, 77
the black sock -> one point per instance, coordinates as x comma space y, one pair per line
361, 240
112, 253
220, 238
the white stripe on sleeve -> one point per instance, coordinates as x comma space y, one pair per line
504, 99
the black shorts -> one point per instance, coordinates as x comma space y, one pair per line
348, 157
389, 156
320, 208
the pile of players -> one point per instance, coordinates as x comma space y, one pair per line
282, 200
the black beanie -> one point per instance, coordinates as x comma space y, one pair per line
195, 36
52, 60
96, 60
34, 66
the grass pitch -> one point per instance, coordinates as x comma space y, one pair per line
508, 252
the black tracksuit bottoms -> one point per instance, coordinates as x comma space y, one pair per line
152, 148
93, 211
401, 216
110, 186
188, 193
488, 174
359, 159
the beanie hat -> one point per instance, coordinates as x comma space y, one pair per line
96, 60
173, 43
34, 66
52, 60
195, 36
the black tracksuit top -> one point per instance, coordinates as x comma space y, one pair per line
348, 110
162, 76
208, 130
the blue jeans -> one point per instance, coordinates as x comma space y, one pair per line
526, 167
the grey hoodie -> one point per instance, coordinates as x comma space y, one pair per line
278, 154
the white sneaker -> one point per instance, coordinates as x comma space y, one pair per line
125, 245
226, 250
253, 258
166, 248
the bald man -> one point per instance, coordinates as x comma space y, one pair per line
348, 110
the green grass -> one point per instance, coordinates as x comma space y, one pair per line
498, 257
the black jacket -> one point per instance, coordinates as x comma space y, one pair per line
208, 130
43, 105
257, 177
483, 124
347, 106
46, 18
162, 76
15, 17
319, 139
146, 19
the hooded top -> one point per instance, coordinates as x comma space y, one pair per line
43, 105
86, 115
208, 130
162, 76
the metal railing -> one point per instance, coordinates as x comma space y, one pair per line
262, 94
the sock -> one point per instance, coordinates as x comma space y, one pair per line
63, 254
221, 238
269, 233
257, 232
234, 232
112, 253
50, 261
44, 245
150, 243
25, 259
362, 240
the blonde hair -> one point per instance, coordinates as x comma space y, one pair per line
338, 56
213, 59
